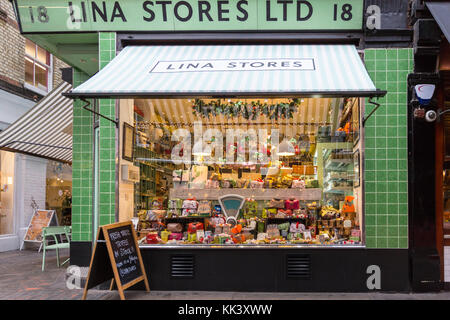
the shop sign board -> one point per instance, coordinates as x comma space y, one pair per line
116, 256
40, 16
39, 220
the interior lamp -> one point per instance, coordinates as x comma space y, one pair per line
286, 149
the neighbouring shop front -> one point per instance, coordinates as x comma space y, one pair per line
256, 156
35, 167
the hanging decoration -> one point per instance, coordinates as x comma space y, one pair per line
249, 111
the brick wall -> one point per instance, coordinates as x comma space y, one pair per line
12, 50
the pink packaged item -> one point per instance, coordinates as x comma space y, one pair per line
175, 236
296, 227
298, 184
292, 204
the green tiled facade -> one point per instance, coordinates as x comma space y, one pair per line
386, 150
107, 136
82, 166
83, 135
385, 154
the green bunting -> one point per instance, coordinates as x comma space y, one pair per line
249, 111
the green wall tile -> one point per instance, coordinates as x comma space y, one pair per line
81, 165
107, 137
83, 153
386, 166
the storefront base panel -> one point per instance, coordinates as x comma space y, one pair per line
277, 270
80, 253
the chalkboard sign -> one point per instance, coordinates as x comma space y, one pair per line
118, 242
125, 254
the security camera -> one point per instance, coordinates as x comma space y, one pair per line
431, 116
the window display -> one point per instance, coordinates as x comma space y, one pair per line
247, 171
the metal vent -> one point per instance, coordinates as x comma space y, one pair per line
182, 266
298, 267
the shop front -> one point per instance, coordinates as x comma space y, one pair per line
272, 162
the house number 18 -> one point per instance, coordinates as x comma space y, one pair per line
346, 13
41, 13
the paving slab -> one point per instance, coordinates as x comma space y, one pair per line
21, 278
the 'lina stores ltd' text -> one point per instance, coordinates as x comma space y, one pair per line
196, 11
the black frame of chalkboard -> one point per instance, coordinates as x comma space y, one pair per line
98, 261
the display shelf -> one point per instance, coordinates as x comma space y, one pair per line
143, 194
321, 148
256, 194
338, 164
286, 219
184, 219
338, 189
337, 179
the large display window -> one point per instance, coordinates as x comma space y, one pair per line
244, 171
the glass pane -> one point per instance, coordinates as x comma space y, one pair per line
43, 56
30, 48
6, 192
251, 171
59, 191
29, 73
41, 77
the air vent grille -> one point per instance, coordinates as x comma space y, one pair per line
298, 267
182, 266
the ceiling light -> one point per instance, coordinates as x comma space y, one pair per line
286, 149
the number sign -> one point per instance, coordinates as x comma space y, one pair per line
37, 16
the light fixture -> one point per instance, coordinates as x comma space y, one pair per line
201, 149
286, 149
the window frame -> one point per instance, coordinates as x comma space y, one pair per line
35, 62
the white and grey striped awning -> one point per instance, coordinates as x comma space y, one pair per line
232, 70
45, 130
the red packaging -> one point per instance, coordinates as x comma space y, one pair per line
292, 204
194, 226
152, 238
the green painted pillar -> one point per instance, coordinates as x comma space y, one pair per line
386, 150
107, 139
82, 166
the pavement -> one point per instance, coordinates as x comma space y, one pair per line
21, 278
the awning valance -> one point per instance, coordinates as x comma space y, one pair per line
45, 130
232, 70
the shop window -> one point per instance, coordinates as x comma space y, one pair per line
59, 191
38, 70
6, 192
246, 171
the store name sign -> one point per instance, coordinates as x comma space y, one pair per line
36, 16
233, 65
